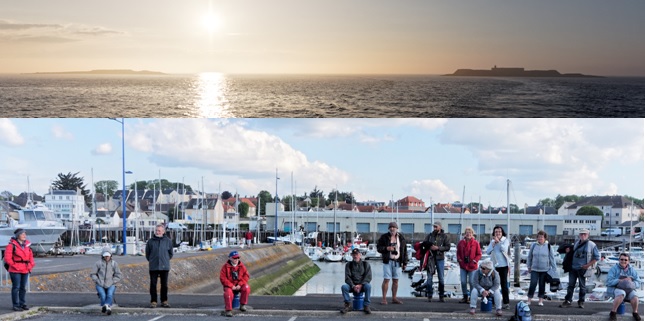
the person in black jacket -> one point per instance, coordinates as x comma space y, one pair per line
158, 253
393, 250
358, 275
437, 243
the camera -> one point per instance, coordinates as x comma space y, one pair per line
234, 275
467, 259
395, 252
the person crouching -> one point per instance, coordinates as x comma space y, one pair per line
106, 274
234, 278
486, 284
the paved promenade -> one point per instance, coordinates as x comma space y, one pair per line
320, 306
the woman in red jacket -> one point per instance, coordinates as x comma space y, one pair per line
20, 258
234, 278
468, 254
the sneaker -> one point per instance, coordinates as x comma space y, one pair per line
103, 308
165, 304
442, 299
581, 304
464, 300
367, 309
612, 316
507, 306
153, 305
17, 308
243, 307
345, 309
109, 311
498, 313
565, 304
472, 311
229, 313
24, 307
636, 316
541, 303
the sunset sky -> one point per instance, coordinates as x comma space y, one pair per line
334, 36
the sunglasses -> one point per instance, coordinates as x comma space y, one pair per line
624, 260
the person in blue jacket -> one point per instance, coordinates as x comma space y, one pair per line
622, 279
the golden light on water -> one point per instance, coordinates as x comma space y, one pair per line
211, 101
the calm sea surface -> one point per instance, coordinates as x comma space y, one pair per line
216, 95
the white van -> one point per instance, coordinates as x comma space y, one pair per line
612, 232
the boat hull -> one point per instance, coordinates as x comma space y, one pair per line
41, 238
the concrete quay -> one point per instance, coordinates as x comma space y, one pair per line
319, 306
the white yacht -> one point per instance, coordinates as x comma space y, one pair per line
43, 229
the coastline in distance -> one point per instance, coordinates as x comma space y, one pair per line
516, 72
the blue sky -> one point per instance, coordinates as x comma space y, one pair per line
333, 36
376, 159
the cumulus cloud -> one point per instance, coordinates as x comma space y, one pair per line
103, 149
548, 156
228, 148
60, 133
432, 187
9, 134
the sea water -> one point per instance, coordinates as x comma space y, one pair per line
217, 95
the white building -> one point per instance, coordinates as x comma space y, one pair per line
616, 209
67, 205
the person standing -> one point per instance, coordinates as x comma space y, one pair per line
539, 262
249, 238
498, 251
358, 275
235, 279
20, 258
437, 242
622, 280
468, 254
585, 255
393, 250
106, 274
159, 253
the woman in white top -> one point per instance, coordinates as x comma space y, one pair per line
498, 251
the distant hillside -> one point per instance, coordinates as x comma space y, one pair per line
515, 72
104, 72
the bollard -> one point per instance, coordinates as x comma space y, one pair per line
236, 300
358, 301
621, 308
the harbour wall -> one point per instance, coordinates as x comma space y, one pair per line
279, 269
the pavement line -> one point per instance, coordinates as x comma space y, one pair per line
157, 318
293, 319
426, 319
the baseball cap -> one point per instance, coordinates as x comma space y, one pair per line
234, 255
356, 251
584, 231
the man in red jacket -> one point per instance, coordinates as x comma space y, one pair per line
234, 278
20, 258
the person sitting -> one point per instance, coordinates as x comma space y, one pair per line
622, 279
486, 284
106, 274
358, 275
234, 278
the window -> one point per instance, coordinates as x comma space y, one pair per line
362, 228
382, 227
454, 229
428, 228
526, 229
480, 229
407, 228
551, 229
310, 227
616, 214
330, 227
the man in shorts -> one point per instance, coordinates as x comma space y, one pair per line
392, 247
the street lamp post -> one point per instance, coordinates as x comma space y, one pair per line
122, 122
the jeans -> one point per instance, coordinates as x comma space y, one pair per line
245, 290
579, 275
440, 269
503, 282
153, 285
18, 288
537, 277
474, 295
466, 279
106, 294
367, 289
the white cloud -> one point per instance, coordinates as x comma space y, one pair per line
103, 149
431, 188
549, 156
228, 148
60, 133
9, 134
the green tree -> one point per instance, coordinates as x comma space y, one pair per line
559, 200
589, 210
264, 197
72, 182
287, 201
226, 195
637, 201
243, 209
107, 188
140, 185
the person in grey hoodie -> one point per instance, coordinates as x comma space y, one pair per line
158, 253
106, 274
539, 261
486, 283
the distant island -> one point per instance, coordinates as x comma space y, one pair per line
516, 72
103, 72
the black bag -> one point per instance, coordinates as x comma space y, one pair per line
6, 265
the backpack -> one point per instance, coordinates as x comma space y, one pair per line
6, 265
417, 248
522, 312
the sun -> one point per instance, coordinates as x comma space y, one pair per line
211, 22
